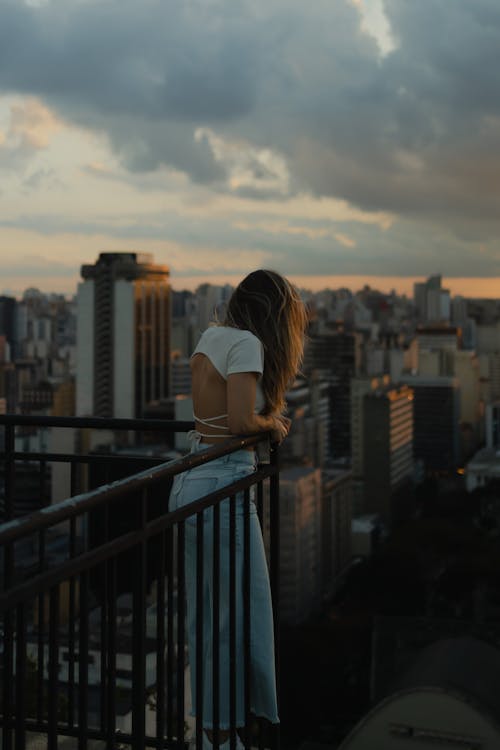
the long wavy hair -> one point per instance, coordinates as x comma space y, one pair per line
269, 306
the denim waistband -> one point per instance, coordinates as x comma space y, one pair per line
240, 456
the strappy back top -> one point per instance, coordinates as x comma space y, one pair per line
231, 350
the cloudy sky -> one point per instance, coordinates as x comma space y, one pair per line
336, 137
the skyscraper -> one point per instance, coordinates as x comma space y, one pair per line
123, 335
308, 406
300, 543
337, 358
388, 450
8, 322
432, 303
360, 386
436, 417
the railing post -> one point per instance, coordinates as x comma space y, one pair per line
160, 640
53, 668
232, 621
8, 623
181, 613
247, 615
9, 471
215, 625
20, 677
200, 667
83, 675
139, 635
274, 564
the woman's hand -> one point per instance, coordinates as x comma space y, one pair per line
280, 429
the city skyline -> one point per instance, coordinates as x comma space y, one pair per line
465, 287
342, 138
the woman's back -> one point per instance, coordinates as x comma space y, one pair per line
222, 353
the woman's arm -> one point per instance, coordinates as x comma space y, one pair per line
242, 419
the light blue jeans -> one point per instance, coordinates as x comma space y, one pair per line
190, 486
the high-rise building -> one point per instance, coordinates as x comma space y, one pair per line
4, 350
464, 365
459, 311
492, 372
123, 335
337, 357
211, 301
300, 544
360, 386
333, 353
420, 300
439, 338
8, 391
388, 450
8, 307
308, 406
488, 337
375, 360
336, 517
436, 409
432, 303
185, 329
438, 305
181, 376
493, 426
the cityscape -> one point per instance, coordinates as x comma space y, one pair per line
152, 154
389, 507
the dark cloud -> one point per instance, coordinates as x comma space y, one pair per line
416, 131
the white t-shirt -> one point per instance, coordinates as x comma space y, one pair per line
233, 350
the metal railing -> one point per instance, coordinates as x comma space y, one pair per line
92, 600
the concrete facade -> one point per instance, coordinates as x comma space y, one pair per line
300, 545
123, 335
388, 447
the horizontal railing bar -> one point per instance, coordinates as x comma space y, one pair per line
112, 548
83, 458
180, 514
99, 423
79, 504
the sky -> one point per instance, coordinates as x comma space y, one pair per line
339, 138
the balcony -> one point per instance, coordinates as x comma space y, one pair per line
92, 602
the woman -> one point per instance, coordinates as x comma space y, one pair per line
240, 372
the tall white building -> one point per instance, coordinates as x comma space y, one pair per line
123, 335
